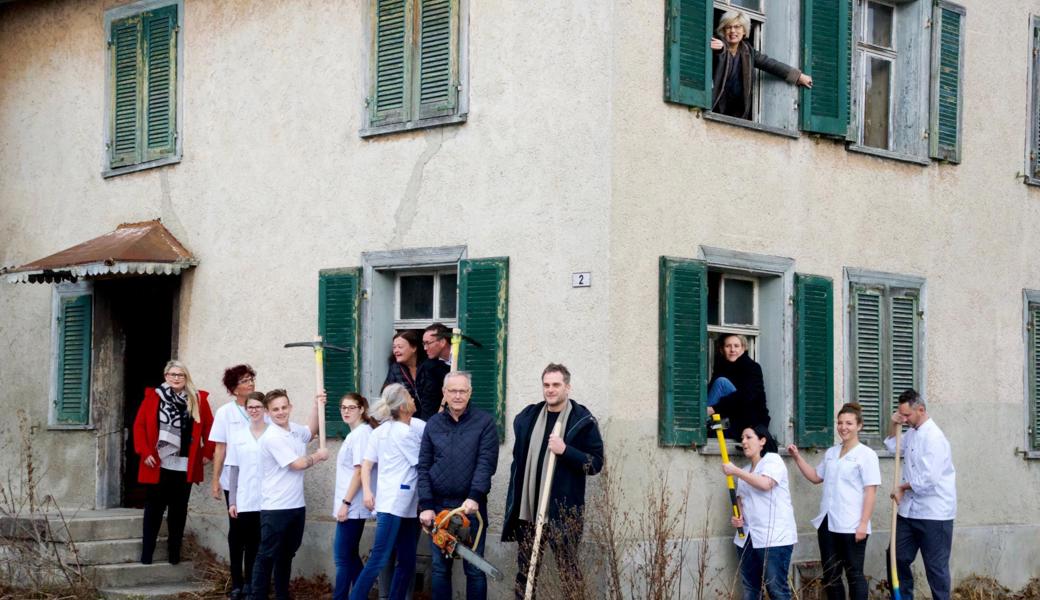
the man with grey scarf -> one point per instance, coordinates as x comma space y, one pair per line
579, 453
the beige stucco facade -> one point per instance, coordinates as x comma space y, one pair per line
569, 161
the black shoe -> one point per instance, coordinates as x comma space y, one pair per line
146, 560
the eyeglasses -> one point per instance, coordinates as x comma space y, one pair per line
428, 344
255, 407
349, 407
176, 375
456, 392
246, 380
732, 27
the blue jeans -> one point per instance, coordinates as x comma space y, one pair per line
346, 556
721, 388
476, 580
934, 539
765, 565
392, 533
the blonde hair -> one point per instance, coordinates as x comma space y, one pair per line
389, 405
734, 17
189, 387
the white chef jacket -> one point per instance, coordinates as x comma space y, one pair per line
352, 453
243, 451
282, 487
844, 480
768, 516
395, 447
928, 468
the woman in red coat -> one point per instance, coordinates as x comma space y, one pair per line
171, 434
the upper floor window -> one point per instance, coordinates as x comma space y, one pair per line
142, 99
426, 297
417, 75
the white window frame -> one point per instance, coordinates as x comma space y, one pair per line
400, 323
890, 55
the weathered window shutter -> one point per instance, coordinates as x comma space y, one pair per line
339, 295
867, 339
483, 316
1034, 376
160, 98
74, 341
903, 331
683, 339
825, 56
947, 73
391, 62
125, 128
438, 72
687, 65
814, 360
1034, 111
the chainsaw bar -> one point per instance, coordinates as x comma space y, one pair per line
478, 561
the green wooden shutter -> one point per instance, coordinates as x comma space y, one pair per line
903, 330
160, 98
1034, 377
814, 361
339, 296
947, 72
125, 126
687, 65
483, 316
438, 70
825, 56
683, 340
1034, 136
74, 337
866, 356
391, 62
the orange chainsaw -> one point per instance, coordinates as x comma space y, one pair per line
451, 533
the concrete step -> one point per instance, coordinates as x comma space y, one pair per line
135, 574
168, 591
104, 552
83, 526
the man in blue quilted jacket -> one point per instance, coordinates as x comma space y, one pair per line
458, 457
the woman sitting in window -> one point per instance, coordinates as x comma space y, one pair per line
736, 390
406, 354
734, 84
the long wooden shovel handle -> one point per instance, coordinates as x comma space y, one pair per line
543, 510
895, 516
319, 383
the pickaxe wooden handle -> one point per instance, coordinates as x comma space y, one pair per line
543, 514
319, 375
718, 425
895, 518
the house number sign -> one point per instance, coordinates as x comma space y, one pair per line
583, 279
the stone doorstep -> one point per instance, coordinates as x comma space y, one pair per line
85, 526
104, 552
135, 574
168, 591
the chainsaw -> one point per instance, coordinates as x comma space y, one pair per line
451, 532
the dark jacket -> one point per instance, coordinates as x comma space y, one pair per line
429, 384
745, 407
397, 373
457, 459
748, 58
583, 457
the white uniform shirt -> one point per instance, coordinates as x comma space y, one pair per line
282, 487
928, 468
228, 419
844, 480
244, 453
768, 516
395, 447
352, 453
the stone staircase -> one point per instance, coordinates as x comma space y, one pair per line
108, 545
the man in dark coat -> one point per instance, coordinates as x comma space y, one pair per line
579, 453
429, 377
457, 458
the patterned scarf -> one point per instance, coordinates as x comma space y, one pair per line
175, 423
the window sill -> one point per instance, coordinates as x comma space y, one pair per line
57, 427
710, 116
1029, 454
917, 160
160, 162
1026, 179
368, 132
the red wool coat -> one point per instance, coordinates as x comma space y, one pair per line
146, 438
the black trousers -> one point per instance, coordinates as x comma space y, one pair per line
565, 549
281, 532
170, 495
933, 539
236, 548
249, 528
841, 552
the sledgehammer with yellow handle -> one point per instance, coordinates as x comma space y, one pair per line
719, 426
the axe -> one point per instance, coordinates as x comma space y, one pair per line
319, 347
719, 425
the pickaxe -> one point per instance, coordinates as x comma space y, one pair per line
319, 347
719, 425
456, 342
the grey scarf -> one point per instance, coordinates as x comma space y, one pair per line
529, 498
173, 416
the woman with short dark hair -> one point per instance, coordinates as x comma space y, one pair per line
171, 435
